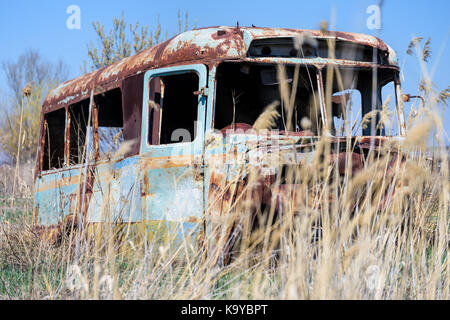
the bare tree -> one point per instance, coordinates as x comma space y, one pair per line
21, 110
121, 42
112, 46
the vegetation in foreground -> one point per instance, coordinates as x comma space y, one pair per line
393, 246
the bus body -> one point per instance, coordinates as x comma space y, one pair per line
158, 139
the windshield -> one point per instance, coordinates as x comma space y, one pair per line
358, 109
245, 91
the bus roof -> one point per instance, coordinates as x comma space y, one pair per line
204, 45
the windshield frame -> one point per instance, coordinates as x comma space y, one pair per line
398, 107
321, 63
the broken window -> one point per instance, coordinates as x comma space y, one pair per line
78, 123
54, 132
110, 123
106, 118
391, 120
356, 105
346, 112
174, 107
245, 90
309, 47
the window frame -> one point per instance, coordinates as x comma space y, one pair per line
159, 122
67, 137
44, 137
197, 142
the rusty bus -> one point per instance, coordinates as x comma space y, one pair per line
167, 102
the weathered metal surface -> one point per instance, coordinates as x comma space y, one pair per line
205, 45
132, 111
233, 158
183, 188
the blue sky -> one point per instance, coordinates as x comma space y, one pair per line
42, 25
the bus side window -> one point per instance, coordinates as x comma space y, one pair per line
174, 108
156, 87
79, 117
107, 116
54, 126
110, 123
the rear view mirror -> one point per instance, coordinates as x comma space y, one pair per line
407, 98
339, 104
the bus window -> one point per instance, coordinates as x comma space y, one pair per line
174, 108
79, 116
110, 123
54, 127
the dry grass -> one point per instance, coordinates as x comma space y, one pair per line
392, 245
396, 250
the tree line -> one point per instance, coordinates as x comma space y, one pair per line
30, 77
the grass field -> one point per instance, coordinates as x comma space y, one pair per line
396, 250
393, 245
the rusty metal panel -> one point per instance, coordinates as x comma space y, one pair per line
132, 89
57, 195
171, 178
169, 186
201, 45
115, 192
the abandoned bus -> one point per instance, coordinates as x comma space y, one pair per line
155, 137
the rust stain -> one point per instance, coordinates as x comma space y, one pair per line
208, 46
145, 185
167, 162
192, 219
41, 155
95, 129
205, 45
